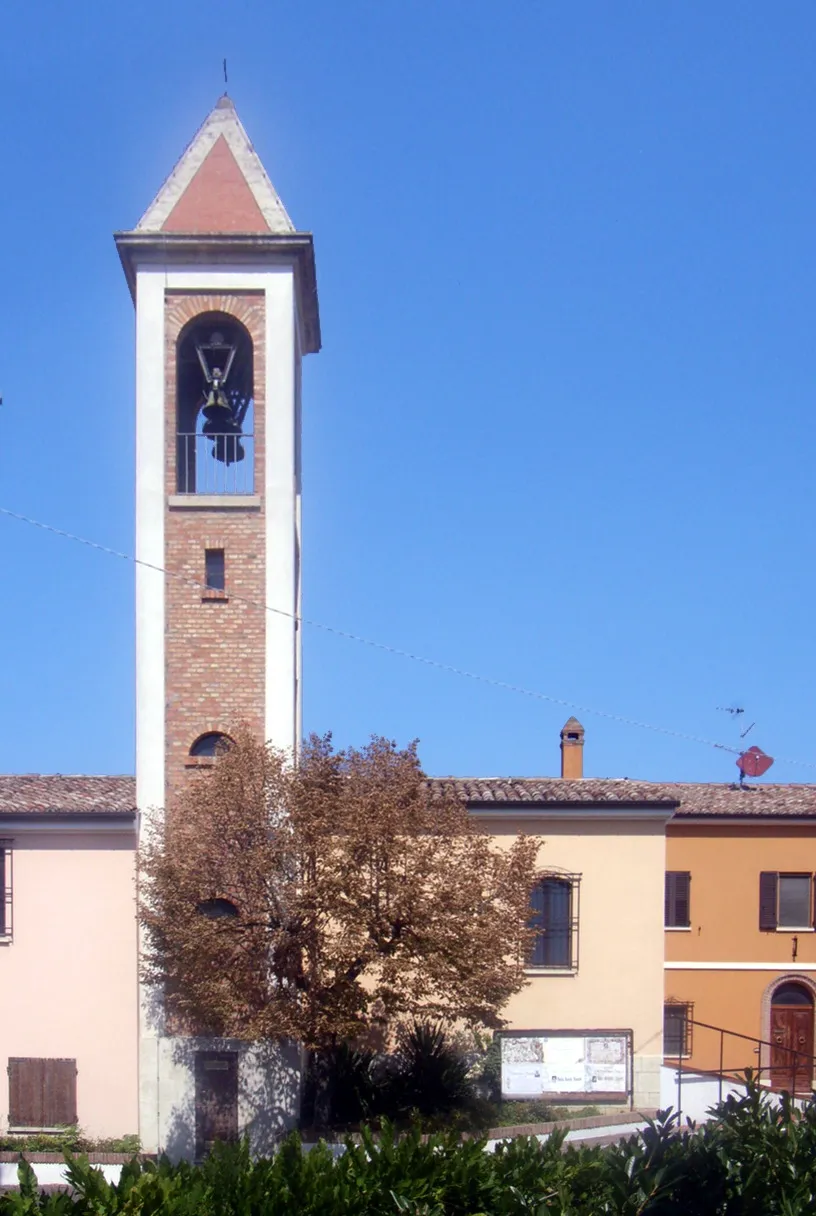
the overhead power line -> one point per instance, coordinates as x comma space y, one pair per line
437, 664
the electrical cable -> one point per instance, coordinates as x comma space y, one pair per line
437, 664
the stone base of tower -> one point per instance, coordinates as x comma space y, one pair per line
186, 1083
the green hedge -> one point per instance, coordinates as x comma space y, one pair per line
753, 1159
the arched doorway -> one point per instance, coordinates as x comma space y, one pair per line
792, 1038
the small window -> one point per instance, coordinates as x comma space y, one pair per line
42, 1093
210, 745
678, 1017
677, 907
785, 901
554, 916
214, 570
794, 901
792, 993
5, 890
217, 909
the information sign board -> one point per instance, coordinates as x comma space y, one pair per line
543, 1062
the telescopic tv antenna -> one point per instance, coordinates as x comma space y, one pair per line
753, 761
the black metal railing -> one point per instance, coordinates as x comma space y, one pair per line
215, 464
776, 1066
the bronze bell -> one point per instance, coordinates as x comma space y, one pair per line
225, 433
228, 448
217, 411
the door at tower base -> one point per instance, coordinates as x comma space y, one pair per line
571, 1063
216, 1099
201, 1090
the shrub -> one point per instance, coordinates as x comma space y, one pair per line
70, 1139
757, 1157
511, 1114
429, 1076
346, 1087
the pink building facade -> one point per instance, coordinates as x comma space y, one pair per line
68, 954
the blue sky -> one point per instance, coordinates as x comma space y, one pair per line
561, 431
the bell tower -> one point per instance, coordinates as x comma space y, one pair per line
226, 307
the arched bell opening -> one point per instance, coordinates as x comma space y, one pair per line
215, 445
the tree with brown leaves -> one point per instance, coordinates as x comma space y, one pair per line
312, 901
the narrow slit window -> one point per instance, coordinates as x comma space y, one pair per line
214, 570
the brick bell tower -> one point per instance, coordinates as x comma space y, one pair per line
226, 307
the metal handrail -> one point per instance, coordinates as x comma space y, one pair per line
215, 464
722, 1073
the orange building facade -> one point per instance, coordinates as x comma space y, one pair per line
740, 935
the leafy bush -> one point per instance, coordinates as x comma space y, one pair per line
757, 1157
430, 1077
427, 1078
70, 1139
511, 1114
344, 1087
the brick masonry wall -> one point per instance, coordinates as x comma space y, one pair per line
214, 646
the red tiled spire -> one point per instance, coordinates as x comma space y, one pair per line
218, 186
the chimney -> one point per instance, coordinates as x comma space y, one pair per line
572, 749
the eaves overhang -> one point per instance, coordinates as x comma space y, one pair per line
759, 821
574, 811
171, 251
69, 822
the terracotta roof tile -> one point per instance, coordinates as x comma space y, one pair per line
37, 793
706, 799
31, 793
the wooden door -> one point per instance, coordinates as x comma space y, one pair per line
792, 1031
216, 1099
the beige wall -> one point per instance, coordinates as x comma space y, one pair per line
68, 977
619, 982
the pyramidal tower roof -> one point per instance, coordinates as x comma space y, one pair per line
218, 207
218, 186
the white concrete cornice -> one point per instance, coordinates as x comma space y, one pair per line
221, 121
573, 813
98, 823
743, 821
792, 967
225, 262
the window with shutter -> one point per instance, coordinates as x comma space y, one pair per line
5, 890
768, 882
677, 904
794, 901
554, 916
42, 1093
677, 1027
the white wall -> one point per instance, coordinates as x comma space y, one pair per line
166, 1079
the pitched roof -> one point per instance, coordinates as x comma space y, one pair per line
531, 790
691, 799
32, 793
37, 793
219, 185
746, 801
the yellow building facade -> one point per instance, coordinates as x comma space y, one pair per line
588, 1025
